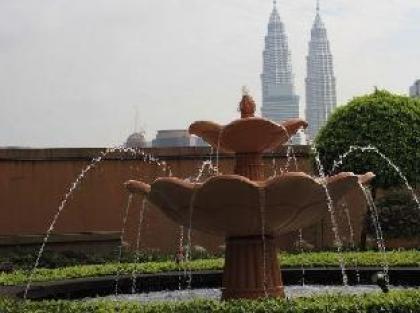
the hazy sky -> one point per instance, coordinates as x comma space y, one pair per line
73, 71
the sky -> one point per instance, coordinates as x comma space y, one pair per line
74, 72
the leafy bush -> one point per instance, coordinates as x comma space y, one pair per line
394, 302
399, 216
312, 259
386, 121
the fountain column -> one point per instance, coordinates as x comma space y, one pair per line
249, 165
251, 267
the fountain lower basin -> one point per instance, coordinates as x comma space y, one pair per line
232, 205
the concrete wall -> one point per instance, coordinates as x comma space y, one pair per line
34, 181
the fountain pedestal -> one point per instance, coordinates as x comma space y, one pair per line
247, 258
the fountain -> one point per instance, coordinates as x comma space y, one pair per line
245, 207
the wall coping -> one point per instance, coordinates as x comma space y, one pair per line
175, 153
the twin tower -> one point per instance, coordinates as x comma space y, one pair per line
279, 99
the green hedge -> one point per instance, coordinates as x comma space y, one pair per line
24, 258
310, 259
384, 120
393, 302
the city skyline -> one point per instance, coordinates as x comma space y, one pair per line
73, 71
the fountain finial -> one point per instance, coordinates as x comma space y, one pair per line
247, 104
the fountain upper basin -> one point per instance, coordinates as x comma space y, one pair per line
236, 136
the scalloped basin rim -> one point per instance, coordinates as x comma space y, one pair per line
233, 177
134, 186
363, 179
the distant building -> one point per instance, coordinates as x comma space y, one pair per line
136, 140
321, 98
176, 138
415, 89
279, 101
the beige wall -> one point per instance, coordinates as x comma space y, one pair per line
34, 181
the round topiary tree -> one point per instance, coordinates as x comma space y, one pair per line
389, 122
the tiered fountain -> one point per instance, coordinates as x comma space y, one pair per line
245, 207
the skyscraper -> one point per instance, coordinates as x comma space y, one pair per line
320, 82
278, 91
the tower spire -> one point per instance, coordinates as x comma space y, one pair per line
317, 6
274, 4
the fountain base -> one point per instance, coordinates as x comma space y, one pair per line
247, 258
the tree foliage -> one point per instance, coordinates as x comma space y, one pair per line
389, 122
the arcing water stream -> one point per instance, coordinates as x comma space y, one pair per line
73, 187
331, 210
180, 258
375, 150
189, 230
121, 244
371, 203
301, 250
62, 205
369, 199
262, 199
352, 240
138, 242
378, 230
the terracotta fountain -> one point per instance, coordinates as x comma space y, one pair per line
245, 207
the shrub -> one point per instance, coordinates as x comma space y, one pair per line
24, 258
399, 216
386, 121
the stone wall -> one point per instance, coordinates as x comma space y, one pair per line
34, 181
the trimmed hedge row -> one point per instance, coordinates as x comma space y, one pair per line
310, 259
394, 302
23, 258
